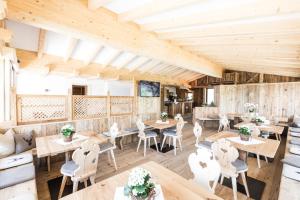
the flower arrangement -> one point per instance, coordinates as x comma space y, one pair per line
67, 131
250, 107
245, 133
260, 120
140, 185
164, 116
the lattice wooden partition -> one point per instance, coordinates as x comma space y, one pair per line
41, 108
88, 107
121, 105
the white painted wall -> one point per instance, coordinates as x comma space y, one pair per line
34, 83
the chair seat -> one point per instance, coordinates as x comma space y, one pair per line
68, 168
170, 133
205, 144
150, 134
133, 129
106, 146
240, 165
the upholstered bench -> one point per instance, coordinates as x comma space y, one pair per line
16, 160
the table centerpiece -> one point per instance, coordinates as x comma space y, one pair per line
245, 133
67, 131
164, 116
259, 120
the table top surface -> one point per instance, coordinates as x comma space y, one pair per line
268, 148
161, 126
264, 127
47, 145
173, 186
289, 189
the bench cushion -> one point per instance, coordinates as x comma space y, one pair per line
294, 129
16, 175
16, 160
7, 143
22, 191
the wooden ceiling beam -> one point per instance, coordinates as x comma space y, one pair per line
70, 48
153, 7
228, 12
95, 4
139, 66
149, 66
128, 62
3, 9
114, 58
5, 35
41, 43
73, 18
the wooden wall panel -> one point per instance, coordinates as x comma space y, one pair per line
273, 99
149, 107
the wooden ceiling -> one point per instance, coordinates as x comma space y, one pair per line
170, 40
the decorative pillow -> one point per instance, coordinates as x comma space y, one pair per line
7, 143
24, 141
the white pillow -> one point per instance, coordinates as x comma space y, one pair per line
7, 143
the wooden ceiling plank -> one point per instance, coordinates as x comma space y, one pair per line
149, 66
114, 58
41, 43
153, 7
102, 25
235, 11
128, 62
95, 4
139, 66
93, 55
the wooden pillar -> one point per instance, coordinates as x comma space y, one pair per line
70, 108
108, 107
261, 77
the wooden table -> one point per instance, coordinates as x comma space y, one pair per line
47, 146
268, 148
161, 126
289, 189
173, 186
277, 130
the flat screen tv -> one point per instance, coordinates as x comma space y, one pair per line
149, 89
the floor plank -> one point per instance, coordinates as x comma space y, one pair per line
129, 158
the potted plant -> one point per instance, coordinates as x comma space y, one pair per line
67, 131
245, 133
140, 185
259, 121
164, 116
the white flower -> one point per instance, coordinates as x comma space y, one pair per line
137, 176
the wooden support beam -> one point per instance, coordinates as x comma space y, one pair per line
3, 9
153, 7
73, 18
70, 49
56, 65
95, 4
41, 43
114, 58
5, 35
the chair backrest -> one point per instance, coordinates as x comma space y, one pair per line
86, 157
205, 168
197, 132
114, 131
225, 154
141, 127
179, 126
224, 122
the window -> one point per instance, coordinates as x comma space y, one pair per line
210, 96
79, 89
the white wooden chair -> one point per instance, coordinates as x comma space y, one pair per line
205, 169
111, 145
174, 135
145, 135
198, 132
82, 167
231, 166
256, 132
223, 123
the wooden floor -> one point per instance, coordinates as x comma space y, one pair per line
128, 158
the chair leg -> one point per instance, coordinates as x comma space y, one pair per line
258, 160
140, 140
145, 146
174, 144
92, 179
245, 184
266, 159
48, 163
75, 186
85, 183
113, 158
149, 142
163, 142
179, 141
222, 179
169, 141
234, 188
62, 187
108, 157
155, 143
